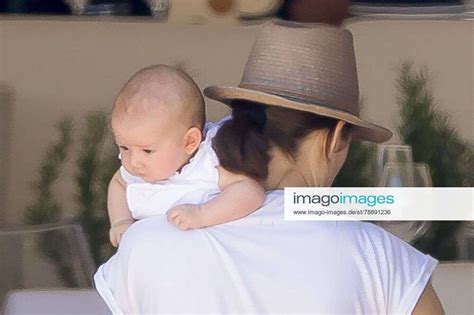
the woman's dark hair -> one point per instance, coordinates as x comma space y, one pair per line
242, 144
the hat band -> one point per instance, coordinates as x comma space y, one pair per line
300, 98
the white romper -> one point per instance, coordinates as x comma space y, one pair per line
195, 184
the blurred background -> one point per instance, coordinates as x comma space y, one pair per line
63, 61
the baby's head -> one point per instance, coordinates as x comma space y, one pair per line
157, 120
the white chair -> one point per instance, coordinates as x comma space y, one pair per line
55, 302
454, 284
45, 257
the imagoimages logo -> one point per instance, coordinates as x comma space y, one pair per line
379, 203
342, 199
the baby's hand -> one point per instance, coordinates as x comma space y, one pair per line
186, 217
117, 230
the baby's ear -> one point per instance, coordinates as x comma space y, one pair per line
192, 139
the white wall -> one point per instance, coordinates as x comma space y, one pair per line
4, 133
5, 139
444, 47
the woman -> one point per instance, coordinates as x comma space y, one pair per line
294, 114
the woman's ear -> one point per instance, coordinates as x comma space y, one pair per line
337, 139
192, 139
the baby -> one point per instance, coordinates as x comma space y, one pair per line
158, 122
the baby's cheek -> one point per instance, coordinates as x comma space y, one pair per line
155, 166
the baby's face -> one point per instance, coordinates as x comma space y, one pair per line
151, 148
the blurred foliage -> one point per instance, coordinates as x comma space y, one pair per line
436, 142
46, 209
356, 171
95, 165
433, 138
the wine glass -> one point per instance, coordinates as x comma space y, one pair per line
422, 178
398, 175
391, 153
406, 175
422, 175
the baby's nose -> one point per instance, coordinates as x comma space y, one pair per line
135, 160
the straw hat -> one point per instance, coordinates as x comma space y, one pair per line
307, 67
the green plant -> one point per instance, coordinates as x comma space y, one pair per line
436, 142
356, 170
433, 139
95, 164
46, 209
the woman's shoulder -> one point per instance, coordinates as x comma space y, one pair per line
373, 240
384, 261
371, 246
360, 230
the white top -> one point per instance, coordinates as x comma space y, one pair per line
196, 183
263, 264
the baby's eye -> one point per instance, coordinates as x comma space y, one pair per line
123, 148
148, 151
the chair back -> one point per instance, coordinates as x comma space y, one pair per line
55, 302
45, 256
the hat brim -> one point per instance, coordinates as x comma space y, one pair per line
362, 130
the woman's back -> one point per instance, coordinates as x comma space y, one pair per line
264, 264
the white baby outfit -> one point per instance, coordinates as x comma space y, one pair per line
195, 184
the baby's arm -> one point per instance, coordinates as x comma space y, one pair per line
119, 214
240, 195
